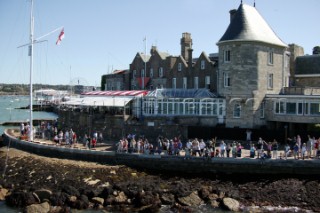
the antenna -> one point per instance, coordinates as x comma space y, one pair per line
241, 1
254, 3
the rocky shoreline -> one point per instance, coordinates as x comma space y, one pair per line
34, 183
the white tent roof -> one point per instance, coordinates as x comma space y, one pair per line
99, 101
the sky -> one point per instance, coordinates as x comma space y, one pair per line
105, 35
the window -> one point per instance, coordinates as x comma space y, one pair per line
179, 66
226, 80
237, 110
160, 72
184, 83
196, 82
207, 82
203, 64
227, 56
270, 58
280, 107
151, 73
174, 83
262, 106
134, 73
315, 108
270, 81
142, 73
291, 108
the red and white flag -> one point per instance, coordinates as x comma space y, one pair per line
60, 37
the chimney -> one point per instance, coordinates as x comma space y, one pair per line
232, 14
153, 50
186, 44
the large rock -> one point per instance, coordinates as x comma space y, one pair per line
20, 199
38, 208
191, 200
231, 204
121, 197
43, 194
98, 200
3, 193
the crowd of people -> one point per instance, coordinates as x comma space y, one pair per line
214, 148
294, 147
49, 131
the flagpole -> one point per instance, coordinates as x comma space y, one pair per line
145, 61
31, 71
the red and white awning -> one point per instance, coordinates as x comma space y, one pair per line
117, 93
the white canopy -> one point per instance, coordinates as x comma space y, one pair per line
99, 101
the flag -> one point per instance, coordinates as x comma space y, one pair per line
60, 37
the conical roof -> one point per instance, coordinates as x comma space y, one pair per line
248, 25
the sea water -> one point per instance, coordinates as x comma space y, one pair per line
10, 110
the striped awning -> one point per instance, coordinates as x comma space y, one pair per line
117, 93
99, 101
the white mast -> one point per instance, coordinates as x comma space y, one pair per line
145, 61
31, 70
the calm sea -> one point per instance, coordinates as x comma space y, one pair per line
9, 110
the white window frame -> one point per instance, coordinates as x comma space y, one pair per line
226, 80
160, 72
179, 67
227, 56
270, 81
207, 82
270, 58
174, 83
196, 82
203, 64
237, 110
184, 83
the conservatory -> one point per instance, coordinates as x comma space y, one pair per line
182, 102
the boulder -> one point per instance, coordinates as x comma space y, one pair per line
20, 199
167, 199
3, 193
191, 200
38, 208
120, 197
231, 204
43, 194
97, 200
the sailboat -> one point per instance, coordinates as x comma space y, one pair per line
31, 52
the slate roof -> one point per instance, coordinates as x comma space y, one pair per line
248, 25
309, 64
181, 93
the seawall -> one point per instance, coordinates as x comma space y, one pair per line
175, 164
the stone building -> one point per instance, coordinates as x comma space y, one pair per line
255, 81
252, 63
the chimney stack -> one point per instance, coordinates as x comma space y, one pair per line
186, 44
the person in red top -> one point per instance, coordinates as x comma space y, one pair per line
94, 142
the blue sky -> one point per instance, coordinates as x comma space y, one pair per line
104, 35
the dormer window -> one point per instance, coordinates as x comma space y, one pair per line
203, 64
227, 56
